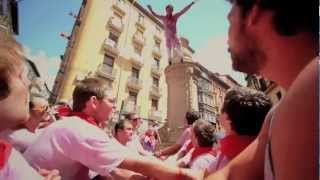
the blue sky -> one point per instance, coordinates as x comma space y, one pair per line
41, 22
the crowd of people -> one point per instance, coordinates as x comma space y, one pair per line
260, 141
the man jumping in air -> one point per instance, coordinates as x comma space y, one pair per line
170, 27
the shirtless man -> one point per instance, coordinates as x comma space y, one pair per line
270, 38
170, 27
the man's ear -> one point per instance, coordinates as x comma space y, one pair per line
253, 16
92, 102
227, 118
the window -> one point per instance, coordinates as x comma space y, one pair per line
108, 62
158, 30
135, 73
154, 104
157, 45
140, 18
113, 40
2, 2
156, 62
155, 81
138, 50
84, 2
263, 84
133, 97
279, 95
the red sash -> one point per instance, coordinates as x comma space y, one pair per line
232, 145
85, 117
5, 151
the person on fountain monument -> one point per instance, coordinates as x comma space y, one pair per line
170, 27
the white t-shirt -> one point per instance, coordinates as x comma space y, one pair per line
72, 145
203, 162
135, 146
20, 139
185, 136
17, 168
220, 161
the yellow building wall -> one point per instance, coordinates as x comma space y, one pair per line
88, 53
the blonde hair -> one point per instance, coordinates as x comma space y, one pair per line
11, 60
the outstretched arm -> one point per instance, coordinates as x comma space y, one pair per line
153, 13
185, 9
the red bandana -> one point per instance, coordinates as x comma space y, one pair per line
199, 151
5, 151
85, 117
64, 111
232, 145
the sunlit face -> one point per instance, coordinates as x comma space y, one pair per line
225, 122
169, 10
125, 135
136, 121
39, 113
243, 47
105, 109
14, 109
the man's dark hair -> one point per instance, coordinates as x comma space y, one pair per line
120, 125
169, 6
246, 108
290, 17
129, 115
87, 88
204, 131
192, 116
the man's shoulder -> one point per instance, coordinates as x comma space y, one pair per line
76, 126
17, 167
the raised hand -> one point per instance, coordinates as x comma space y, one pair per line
50, 175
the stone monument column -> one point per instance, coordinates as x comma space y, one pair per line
182, 95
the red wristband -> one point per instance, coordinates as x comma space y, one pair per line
179, 175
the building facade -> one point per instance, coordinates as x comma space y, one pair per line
192, 87
121, 43
38, 86
274, 91
9, 16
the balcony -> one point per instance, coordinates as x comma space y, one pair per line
107, 72
119, 8
157, 37
115, 24
136, 60
138, 39
129, 106
111, 47
186, 52
141, 26
155, 115
156, 70
156, 51
155, 91
134, 83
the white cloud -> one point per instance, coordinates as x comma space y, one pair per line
47, 66
214, 56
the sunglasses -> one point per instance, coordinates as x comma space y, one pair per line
42, 109
136, 119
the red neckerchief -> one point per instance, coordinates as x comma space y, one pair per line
199, 151
64, 111
85, 117
5, 151
232, 145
